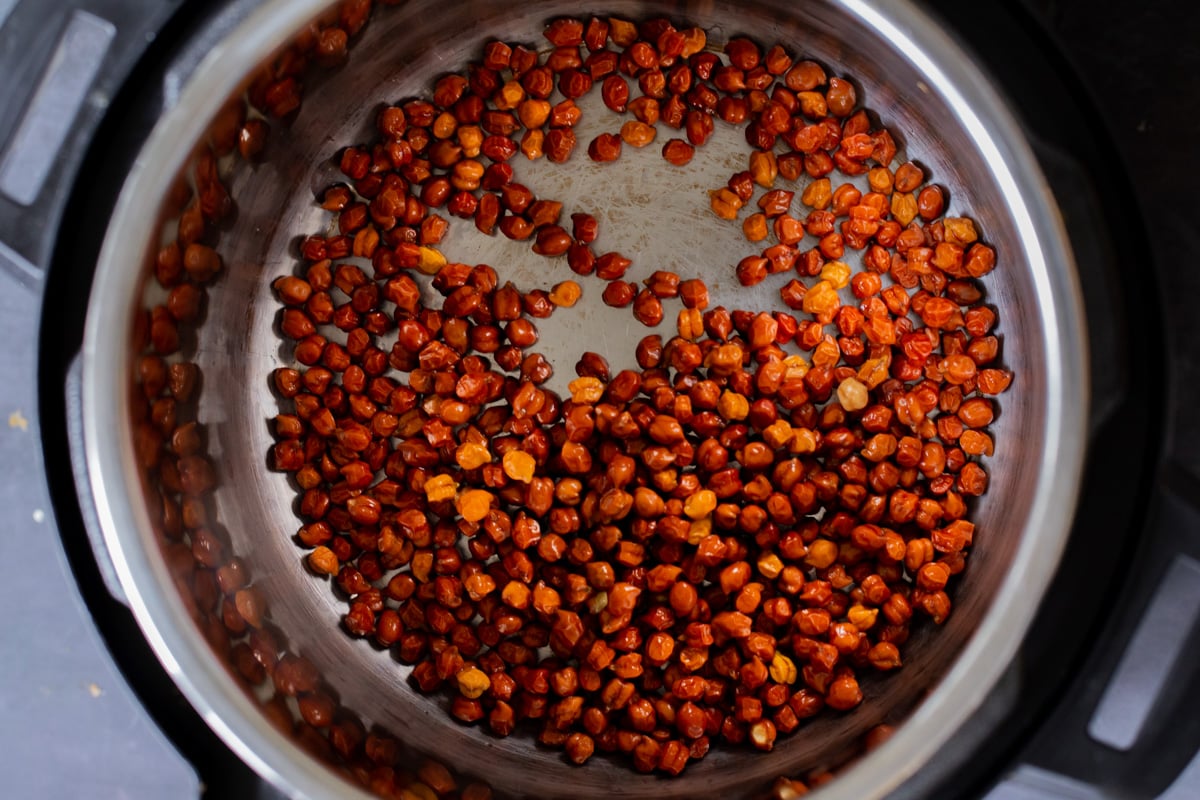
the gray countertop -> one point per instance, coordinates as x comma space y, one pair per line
71, 725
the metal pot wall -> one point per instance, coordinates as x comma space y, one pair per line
906, 69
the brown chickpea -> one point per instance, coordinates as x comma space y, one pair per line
653, 528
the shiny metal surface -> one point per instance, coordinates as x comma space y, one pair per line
907, 71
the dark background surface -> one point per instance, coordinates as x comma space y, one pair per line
1140, 62
1135, 67
74, 727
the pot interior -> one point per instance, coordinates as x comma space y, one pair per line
658, 216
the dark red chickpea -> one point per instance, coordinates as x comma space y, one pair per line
641, 569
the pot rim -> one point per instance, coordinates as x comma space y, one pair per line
237, 719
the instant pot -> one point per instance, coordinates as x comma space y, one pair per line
1072, 669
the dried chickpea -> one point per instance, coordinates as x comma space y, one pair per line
533, 143
843, 693
904, 207
960, 230
586, 390
804, 440
699, 530
880, 180
579, 747
565, 294
733, 406
795, 366
678, 152
853, 395
471, 455
694, 293
764, 168
976, 443
821, 298
821, 554
754, 227
778, 434
637, 134
861, 617
837, 274
472, 682
474, 504
323, 561
783, 669
818, 194
769, 566
440, 488
762, 734
700, 504
519, 465
725, 204
430, 261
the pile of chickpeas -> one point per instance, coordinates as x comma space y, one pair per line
713, 547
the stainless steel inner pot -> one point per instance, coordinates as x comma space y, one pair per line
908, 71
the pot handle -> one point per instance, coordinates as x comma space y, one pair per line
63, 63
1133, 728
79, 471
1096, 262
